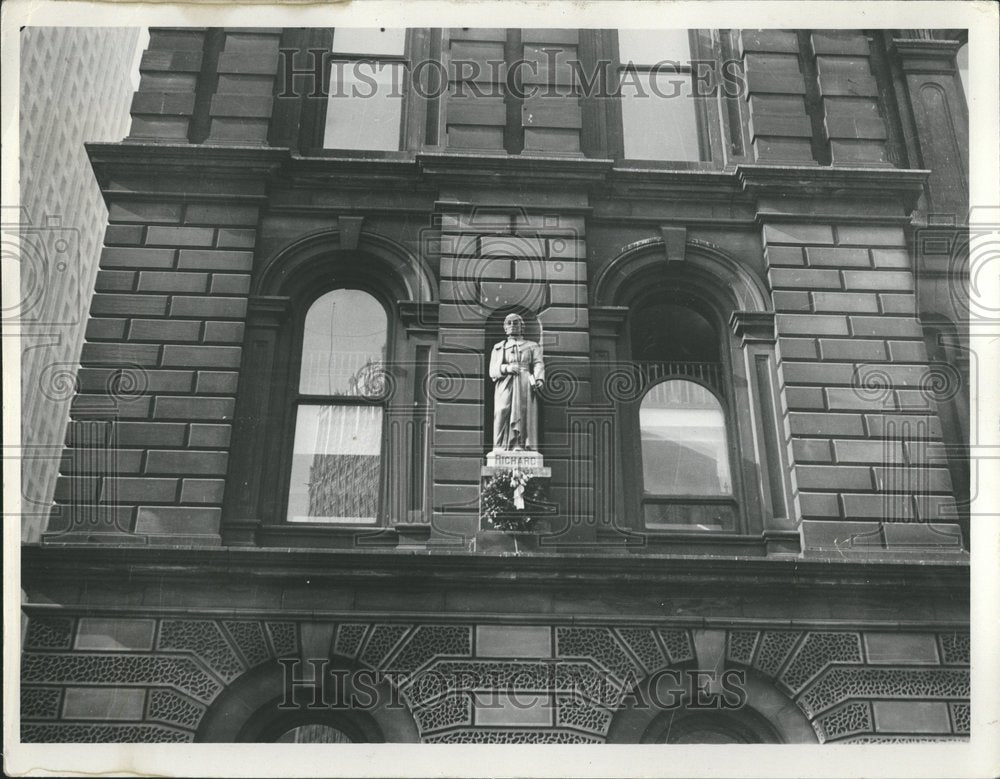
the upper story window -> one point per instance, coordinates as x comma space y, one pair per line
659, 113
336, 470
367, 87
646, 96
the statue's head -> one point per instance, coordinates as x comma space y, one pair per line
513, 324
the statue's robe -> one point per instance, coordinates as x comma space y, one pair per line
515, 405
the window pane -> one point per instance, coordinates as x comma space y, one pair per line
658, 117
313, 734
365, 106
369, 40
343, 346
648, 47
684, 448
665, 332
336, 464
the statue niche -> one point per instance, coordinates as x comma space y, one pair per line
518, 373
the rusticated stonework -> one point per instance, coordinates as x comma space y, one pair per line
449, 676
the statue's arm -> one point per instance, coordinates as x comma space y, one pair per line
538, 366
496, 362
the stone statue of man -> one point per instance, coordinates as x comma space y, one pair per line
518, 373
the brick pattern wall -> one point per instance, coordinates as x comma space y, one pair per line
860, 417
147, 449
780, 128
850, 98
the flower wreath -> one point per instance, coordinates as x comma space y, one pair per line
506, 498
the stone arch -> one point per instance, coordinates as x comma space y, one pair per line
254, 706
752, 709
644, 260
316, 256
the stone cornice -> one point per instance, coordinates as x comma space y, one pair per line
229, 171
209, 170
486, 169
46, 563
925, 48
833, 182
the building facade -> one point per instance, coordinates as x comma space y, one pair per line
76, 86
742, 254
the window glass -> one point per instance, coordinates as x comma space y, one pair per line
343, 344
658, 117
385, 41
336, 464
365, 107
666, 332
683, 434
313, 734
648, 47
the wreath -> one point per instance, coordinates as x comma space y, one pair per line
503, 493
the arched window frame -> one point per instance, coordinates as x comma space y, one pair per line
296, 398
760, 461
638, 497
255, 509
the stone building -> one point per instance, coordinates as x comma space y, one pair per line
76, 87
745, 269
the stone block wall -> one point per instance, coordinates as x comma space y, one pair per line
484, 682
858, 395
853, 119
780, 126
148, 444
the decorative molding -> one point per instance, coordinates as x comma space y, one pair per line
927, 55
271, 308
674, 241
607, 321
753, 326
833, 182
349, 228
44, 564
206, 167
418, 317
514, 169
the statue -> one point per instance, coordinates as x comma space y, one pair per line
518, 373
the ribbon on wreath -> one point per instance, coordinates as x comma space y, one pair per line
518, 482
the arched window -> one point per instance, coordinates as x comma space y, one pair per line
314, 733
694, 727
336, 472
684, 447
683, 429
